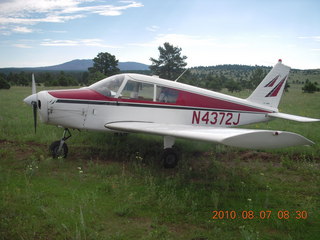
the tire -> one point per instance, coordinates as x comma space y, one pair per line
170, 158
54, 150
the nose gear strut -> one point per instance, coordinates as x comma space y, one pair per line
59, 149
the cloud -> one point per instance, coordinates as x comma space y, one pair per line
186, 41
33, 21
103, 9
176, 39
59, 43
270, 36
22, 30
76, 43
200, 50
21, 45
31, 12
153, 28
315, 38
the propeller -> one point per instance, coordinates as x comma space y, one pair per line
33, 101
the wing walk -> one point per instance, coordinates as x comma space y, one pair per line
246, 138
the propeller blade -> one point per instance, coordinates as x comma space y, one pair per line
34, 103
35, 109
34, 90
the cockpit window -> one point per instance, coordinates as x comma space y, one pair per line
109, 86
167, 95
138, 90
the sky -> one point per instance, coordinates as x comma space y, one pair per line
36, 33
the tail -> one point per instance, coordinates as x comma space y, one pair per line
269, 91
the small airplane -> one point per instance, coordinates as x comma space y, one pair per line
147, 104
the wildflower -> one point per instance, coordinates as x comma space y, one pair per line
80, 170
249, 199
268, 188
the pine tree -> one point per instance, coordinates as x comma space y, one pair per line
170, 63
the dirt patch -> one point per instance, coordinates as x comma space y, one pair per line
264, 156
21, 150
198, 160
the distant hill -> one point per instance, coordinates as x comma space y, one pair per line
74, 65
79, 65
230, 71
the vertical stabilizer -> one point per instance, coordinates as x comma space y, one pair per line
269, 91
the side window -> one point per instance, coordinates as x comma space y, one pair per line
146, 92
138, 90
167, 95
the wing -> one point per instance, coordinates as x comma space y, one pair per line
246, 138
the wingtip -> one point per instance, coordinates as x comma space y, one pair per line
266, 139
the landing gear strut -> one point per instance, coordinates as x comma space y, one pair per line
59, 149
170, 156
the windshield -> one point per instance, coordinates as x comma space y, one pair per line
109, 86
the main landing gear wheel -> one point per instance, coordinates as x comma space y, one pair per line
59, 148
170, 158
55, 152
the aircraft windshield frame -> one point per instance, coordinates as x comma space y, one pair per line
110, 86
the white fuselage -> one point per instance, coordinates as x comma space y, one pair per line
69, 109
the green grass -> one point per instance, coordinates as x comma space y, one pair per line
115, 188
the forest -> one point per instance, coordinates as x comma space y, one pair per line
232, 77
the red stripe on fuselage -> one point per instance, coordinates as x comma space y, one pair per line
79, 94
185, 99
196, 100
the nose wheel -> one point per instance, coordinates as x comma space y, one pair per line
59, 149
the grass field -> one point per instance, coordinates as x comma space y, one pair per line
113, 187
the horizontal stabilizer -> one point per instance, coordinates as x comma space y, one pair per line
246, 138
293, 117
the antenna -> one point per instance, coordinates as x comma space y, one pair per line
181, 75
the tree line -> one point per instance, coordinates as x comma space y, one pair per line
170, 64
61, 78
